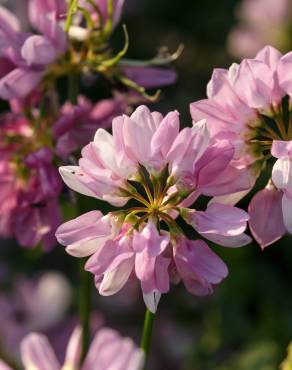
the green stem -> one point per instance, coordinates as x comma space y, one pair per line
73, 88
147, 334
85, 277
84, 307
72, 9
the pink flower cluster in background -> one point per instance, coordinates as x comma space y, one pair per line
39, 133
107, 351
261, 22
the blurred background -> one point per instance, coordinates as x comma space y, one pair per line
247, 323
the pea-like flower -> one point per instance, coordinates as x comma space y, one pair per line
250, 104
108, 350
24, 57
160, 171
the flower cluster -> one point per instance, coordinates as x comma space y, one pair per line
160, 171
40, 133
108, 349
31, 147
250, 105
261, 22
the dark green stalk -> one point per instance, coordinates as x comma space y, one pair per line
73, 88
147, 334
85, 278
84, 307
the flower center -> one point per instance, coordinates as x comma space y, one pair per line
156, 197
262, 132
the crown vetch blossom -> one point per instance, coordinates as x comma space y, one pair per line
274, 202
250, 104
108, 350
76, 124
30, 182
72, 44
162, 171
261, 22
24, 57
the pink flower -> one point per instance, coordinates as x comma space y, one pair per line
147, 151
261, 22
245, 105
220, 223
270, 208
37, 7
31, 185
108, 350
24, 57
200, 268
150, 77
76, 125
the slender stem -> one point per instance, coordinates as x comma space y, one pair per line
73, 87
84, 307
72, 9
147, 334
85, 278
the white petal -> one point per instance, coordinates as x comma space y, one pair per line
85, 248
114, 280
73, 352
151, 300
282, 174
70, 177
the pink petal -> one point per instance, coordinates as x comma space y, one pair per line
254, 83
109, 256
38, 50
37, 353
114, 280
188, 147
270, 56
213, 162
234, 241
287, 212
38, 7
150, 240
111, 351
266, 216
218, 119
152, 272
19, 83
73, 351
221, 219
231, 180
282, 174
284, 73
164, 136
85, 234
220, 91
149, 77
281, 149
138, 131
198, 266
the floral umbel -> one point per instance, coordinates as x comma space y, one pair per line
71, 40
250, 104
159, 172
